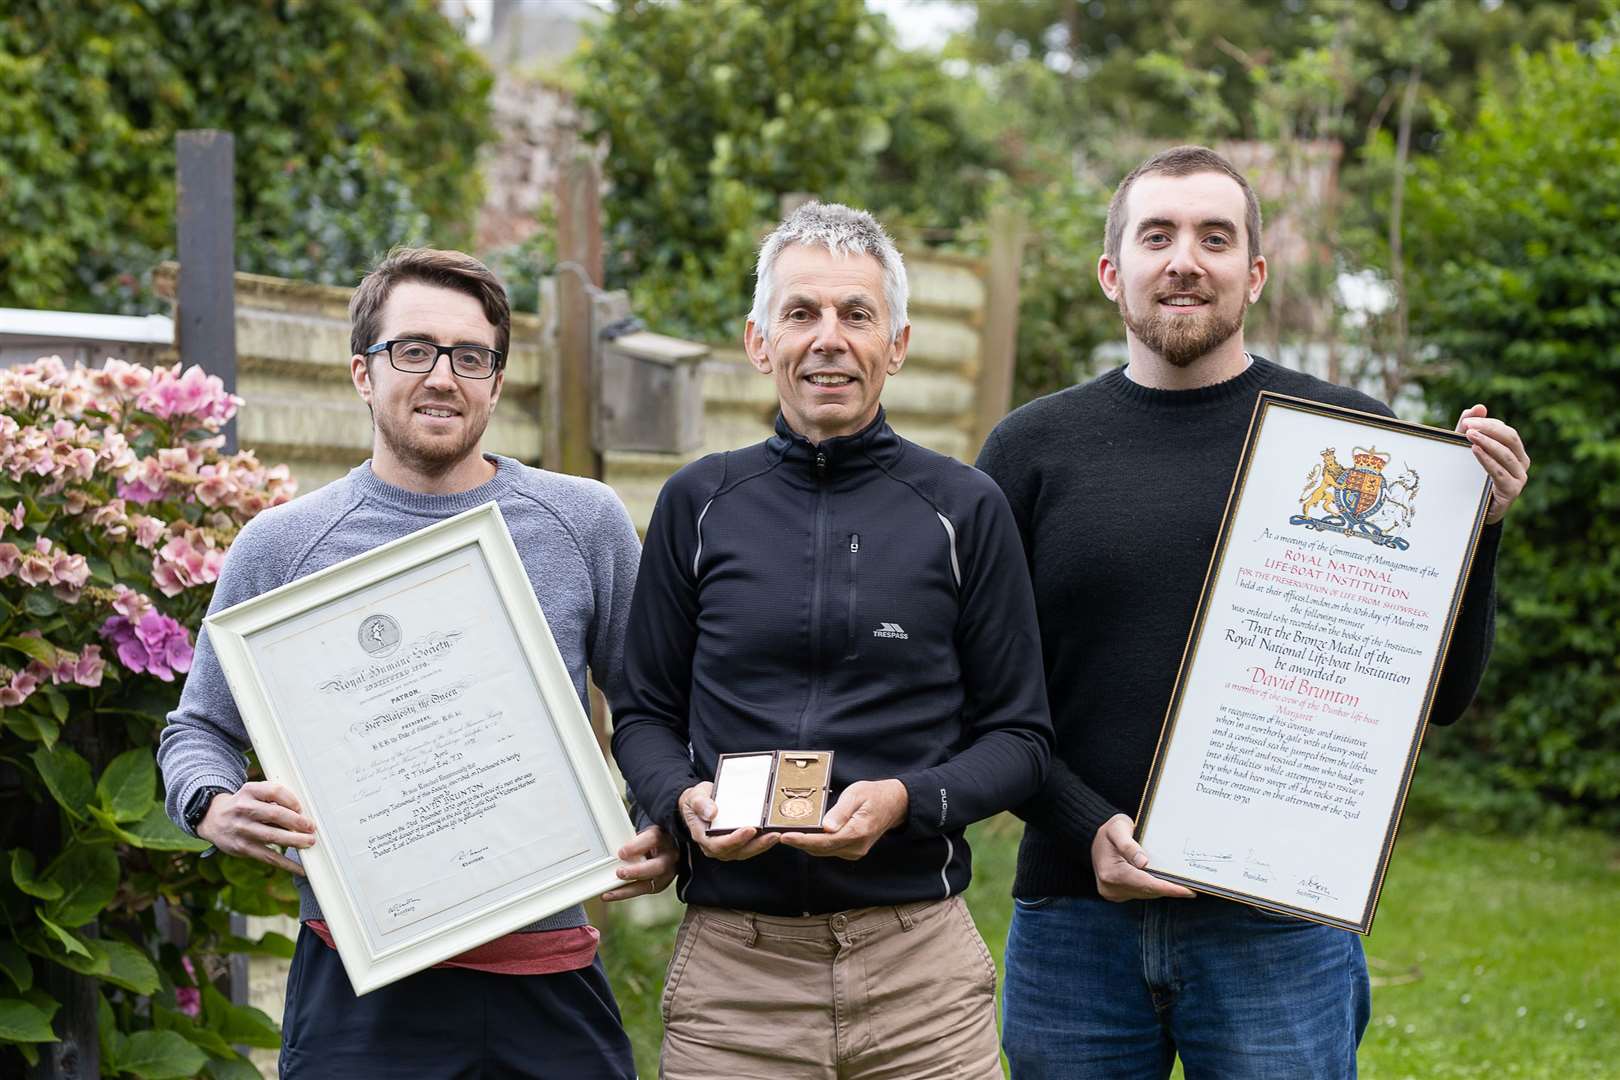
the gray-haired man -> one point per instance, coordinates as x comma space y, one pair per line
832, 588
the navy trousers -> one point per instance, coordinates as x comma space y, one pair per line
449, 1024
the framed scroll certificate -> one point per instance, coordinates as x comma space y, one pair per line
415, 701
1307, 680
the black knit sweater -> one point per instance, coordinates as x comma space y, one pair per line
1118, 491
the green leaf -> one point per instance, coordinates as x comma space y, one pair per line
58, 702
112, 1040
22, 873
233, 1069
127, 789
32, 725
21, 1021
88, 874
32, 647
15, 963
207, 1039
41, 603
269, 944
36, 727
72, 945
155, 832
67, 775
101, 572
160, 1055
129, 967
239, 1023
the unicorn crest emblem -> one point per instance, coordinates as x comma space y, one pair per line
1360, 500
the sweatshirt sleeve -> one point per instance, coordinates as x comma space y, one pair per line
1008, 733
651, 702
615, 551
204, 742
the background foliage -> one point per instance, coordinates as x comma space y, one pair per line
357, 126
119, 507
1517, 293
713, 111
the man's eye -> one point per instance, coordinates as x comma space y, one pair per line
414, 352
1217, 240
1155, 238
858, 316
798, 315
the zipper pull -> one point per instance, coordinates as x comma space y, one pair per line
821, 463
854, 542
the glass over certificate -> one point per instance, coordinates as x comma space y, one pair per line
1307, 681
414, 699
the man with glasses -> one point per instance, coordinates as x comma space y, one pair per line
429, 340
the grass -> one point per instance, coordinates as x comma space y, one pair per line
1492, 956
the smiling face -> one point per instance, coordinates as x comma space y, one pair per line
428, 427
1183, 277
828, 343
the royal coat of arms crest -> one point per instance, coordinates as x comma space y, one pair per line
1360, 500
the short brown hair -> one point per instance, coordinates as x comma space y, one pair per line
1180, 161
431, 266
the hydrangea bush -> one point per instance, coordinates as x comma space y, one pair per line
116, 508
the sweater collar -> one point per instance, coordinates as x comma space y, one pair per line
373, 487
841, 455
1250, 381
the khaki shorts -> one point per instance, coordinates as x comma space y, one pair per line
889, 993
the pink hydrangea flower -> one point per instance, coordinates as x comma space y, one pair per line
18, 689
155, 644
188, 999
10, 558
187, 559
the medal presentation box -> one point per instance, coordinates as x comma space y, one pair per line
1323, 625
772, 790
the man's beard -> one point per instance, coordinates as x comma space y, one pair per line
1182, 339
428, 457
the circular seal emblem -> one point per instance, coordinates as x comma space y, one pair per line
379, 636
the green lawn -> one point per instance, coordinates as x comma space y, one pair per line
1492, 955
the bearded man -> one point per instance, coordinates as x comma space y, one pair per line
1118, 487
429, 338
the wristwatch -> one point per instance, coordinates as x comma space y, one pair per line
197, 806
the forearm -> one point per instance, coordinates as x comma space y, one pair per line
203, 743
656, 766
1472, 636
997, 772
1067, 807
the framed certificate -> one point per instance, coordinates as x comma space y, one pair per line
1307, 680
415, 701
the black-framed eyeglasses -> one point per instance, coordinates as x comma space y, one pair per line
418, 357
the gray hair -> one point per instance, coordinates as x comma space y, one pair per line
842, 230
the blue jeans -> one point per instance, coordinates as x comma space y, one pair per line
1098, 989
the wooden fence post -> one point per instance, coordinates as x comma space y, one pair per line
999, 338
579, 257
206, 295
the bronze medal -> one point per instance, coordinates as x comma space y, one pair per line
796, 803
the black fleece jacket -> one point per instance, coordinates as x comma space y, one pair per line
865, 596
1118, 490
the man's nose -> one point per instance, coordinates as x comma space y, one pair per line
1184, 260
441, 375
829, 332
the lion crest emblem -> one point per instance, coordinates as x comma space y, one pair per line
1360, 500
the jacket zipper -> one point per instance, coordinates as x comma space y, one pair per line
811, 698
854, 552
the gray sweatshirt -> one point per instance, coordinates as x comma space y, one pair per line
576, 542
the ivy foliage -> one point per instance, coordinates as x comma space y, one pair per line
1516, 286
713, 111
357, 126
